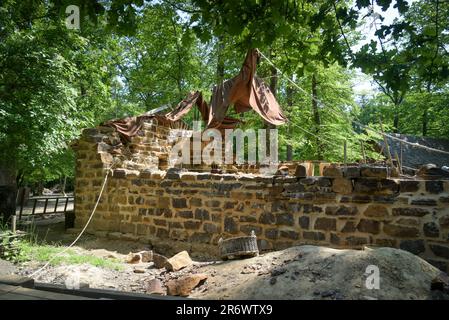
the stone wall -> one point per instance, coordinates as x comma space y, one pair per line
345, 208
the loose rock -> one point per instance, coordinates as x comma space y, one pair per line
159, 261
183, 286
178, 261
154, 286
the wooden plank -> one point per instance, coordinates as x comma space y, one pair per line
45, 206
27, 293
15, 280
66, 202
104, 293
34, 207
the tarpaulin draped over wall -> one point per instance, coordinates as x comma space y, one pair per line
245, 91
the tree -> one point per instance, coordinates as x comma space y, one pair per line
53, 82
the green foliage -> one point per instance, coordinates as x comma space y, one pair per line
131, 56
53, 83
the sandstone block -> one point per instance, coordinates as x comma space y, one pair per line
178, 261
326, 224
183, 286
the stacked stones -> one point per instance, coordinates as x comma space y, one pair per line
346, 207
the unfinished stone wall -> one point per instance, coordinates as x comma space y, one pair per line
345, 208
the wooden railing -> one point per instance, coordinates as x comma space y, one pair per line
46, 199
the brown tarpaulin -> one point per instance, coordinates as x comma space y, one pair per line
128, 127
196, 98
246, 91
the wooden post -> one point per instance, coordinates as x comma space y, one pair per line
45, 206
34, 206
56, 205
13, 223
399, 163
401, 145
22, 203
66, 202
363, 152
345, 151
387, 147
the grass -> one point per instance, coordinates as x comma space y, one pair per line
29, 249
45, 252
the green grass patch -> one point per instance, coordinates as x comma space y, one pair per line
45, 252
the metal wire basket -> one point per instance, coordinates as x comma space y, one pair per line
238, 247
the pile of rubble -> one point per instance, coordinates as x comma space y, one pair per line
180, 285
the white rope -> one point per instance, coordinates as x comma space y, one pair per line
316, 136
416, 145
82, 231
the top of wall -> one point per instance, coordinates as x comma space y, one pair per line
148, 151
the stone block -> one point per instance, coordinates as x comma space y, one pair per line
202, 214
400, 231
444, 222
304, 222
326, 224
285, 219
230, 225
356, 241
374, 172
351, 172
300, 171
312, 235
369, 226
424, 202
201, 237
334, 239
162, 233
349, 227
440, 250
342, 185
179, 203
410, 212
196, 202
431, 230
332, 171
289, 234
185, 214
267, 218
409, 186
341, 211
248, 228
413, 246
272, 233
192, 225
434, 186
376, 211
211, 228
376, 186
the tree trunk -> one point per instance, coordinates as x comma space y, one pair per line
425, 116
316, 117
290, 107
396, 120
220, 61
425, 121
8, 193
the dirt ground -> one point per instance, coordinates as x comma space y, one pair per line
302, 272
